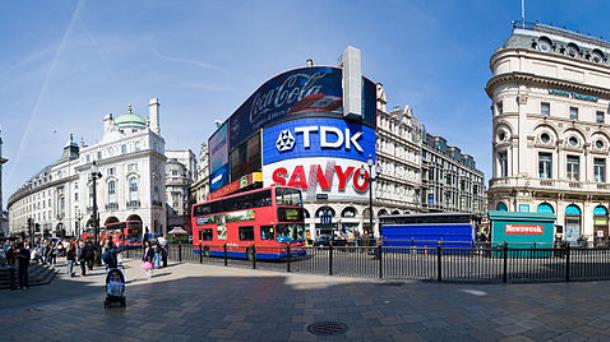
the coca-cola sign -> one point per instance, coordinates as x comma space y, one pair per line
298, 92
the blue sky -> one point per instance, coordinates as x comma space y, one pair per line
64, 64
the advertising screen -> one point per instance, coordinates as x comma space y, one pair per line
218, 145
300, 92
335, 177
318, 137
246, 158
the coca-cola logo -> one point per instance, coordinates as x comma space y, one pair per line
294, 89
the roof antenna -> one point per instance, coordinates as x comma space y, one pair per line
523, 13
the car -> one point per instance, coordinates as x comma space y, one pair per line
326, 240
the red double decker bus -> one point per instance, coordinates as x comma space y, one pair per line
260, 222
127, 233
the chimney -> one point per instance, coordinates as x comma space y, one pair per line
153, 115
309, 62
108, 122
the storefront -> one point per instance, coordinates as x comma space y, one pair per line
573, 223
600, 223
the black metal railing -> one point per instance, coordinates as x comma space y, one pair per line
485, 263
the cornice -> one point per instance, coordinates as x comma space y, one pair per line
542, 80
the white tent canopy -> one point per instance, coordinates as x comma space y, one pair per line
177, 230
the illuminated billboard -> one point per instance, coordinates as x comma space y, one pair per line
246, 158
218, 149
308, 91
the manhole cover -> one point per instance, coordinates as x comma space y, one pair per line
327, 328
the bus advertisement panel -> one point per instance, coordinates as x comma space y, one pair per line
259, 223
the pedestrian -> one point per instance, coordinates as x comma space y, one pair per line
10, 252
90, 256
23, 262
82, 258
163, 243
53, 253
70, 259
147, 260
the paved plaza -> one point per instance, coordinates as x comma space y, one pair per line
188, 302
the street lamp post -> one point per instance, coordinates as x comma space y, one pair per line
370, 178
78, 216
95, 175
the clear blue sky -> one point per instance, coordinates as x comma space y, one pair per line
66, 63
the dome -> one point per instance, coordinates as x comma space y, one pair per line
130, 118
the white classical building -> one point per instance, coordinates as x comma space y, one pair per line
550, 92
130, 157
180, 172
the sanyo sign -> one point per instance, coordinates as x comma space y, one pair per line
318, 137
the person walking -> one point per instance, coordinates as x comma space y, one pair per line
10, 252
163, 243
147, 260
53, 253
70, 259
82, 258
90, 256
23, 262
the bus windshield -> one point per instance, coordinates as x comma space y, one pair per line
290, 232
286, 196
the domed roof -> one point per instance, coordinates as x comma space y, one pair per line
130, 118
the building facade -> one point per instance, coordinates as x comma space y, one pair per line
450, 180
180, 170
550, 92
129, 156
3, 215
201, 187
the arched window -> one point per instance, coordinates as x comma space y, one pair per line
133, 189
572, 210
501, 206
572, 224
600, 210
112, 191
545, 208
349, 212
325, 210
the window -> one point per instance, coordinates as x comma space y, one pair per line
573, 168
545, 138
99, 155
136, 146
123, 149
111, 191
254, 200
267, 232
599, 144
545, 109
545, 165
133, 189
87, 158
111, 171
174, 173
288, 197
573, 141
62, 206
206, 235
599, 169
499, 108
246, 233
573, 113
76, 197
599, 117
503, 164
49, 202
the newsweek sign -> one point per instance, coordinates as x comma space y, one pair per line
318, 137
338, 178
524, 229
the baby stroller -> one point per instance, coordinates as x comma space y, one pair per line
115, 288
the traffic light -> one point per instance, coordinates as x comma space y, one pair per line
37, 227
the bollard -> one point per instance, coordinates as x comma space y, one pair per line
288, 260
253, 257
505, 273
380, 261
226, 256
200, 253
439, 261
179, 252
330, 258
567, 262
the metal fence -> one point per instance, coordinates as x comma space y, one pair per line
482, 263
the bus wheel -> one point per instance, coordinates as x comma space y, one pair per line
249, 254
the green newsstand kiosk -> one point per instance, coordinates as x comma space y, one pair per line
523, 231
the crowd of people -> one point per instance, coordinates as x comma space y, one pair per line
17, 254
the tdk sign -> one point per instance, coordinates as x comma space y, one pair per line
318, 137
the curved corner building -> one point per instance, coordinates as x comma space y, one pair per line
550, 93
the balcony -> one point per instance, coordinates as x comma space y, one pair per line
133, 204
546, 182
112, 206
575, 185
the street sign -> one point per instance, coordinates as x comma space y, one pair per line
321, 196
